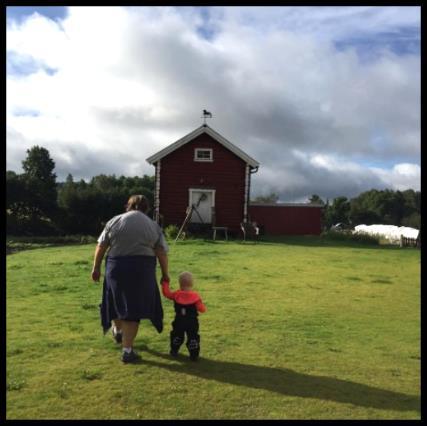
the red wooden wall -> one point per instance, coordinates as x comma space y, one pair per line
287, 219
226, 174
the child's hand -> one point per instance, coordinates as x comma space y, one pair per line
165, 279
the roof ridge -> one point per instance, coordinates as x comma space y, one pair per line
204, 128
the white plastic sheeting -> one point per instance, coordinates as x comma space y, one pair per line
390, 232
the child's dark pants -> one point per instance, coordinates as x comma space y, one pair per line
188, 324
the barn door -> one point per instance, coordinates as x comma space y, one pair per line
203, 200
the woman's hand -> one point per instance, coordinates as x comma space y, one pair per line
96, 273
99, 254
165, 278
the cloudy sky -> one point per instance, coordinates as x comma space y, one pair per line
327, 99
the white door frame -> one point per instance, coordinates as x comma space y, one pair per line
190, 195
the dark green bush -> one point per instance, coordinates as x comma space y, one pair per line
171, 231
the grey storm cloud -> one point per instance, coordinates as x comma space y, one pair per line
279, 89
85, 163
297, 179
81, 162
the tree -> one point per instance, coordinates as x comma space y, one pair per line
386, 207
40, 181
412, 221
411, 208
315, 199
338, 212
31, 197
39, 165
272, 198
364, 208
69, 179
390, 207
16, 195
411, 201
15, 191
86, 207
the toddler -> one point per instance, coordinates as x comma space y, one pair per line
187, 305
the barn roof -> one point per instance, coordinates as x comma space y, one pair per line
211, 132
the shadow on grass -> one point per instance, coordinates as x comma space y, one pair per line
289, 382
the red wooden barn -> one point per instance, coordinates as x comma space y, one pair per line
287, 218
205, 169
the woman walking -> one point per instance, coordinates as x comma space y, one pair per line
130, 291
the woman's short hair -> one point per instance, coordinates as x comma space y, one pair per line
138, 202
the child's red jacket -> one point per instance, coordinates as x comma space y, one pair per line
183, 297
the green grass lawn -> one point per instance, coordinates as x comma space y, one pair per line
298, 329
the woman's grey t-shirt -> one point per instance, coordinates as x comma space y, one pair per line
131, 234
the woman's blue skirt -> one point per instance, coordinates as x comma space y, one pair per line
130, 291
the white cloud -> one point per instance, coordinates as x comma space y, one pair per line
130, 81
330, 176
401, 176
38, 38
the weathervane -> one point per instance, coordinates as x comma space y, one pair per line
205, 115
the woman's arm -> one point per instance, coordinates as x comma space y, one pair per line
163, 260
99, 255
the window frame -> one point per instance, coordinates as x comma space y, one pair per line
203, 160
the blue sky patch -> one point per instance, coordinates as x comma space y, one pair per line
21, 66
403, 41
20, 13
20, 112
206, 30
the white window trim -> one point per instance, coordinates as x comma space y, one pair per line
203, 160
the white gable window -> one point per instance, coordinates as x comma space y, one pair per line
203, 154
